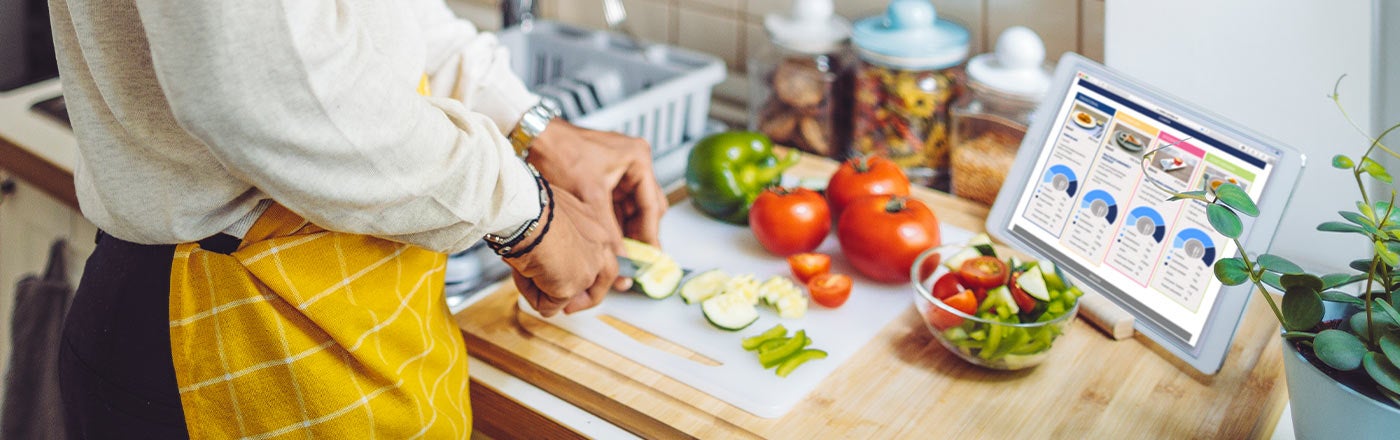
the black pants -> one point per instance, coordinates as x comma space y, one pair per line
115, 365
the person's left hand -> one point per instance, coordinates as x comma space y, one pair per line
610, 172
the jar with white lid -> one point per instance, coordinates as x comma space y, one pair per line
909, 75
990, 121
800, 80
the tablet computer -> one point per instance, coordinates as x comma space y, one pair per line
1087, 192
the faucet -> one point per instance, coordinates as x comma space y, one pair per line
518, 12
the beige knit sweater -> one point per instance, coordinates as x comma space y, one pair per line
188, 113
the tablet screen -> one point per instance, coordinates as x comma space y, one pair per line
1092, 206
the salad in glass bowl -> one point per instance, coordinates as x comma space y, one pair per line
991, 307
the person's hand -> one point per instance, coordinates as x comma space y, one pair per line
609, 172
572, 267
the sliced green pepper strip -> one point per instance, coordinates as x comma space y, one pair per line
753, 342
775, 356
726, 172
801, 357
771, 344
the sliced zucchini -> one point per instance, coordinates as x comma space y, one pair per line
744, 286
792, 306
640, 252
660, 278
704, 286
1053, 280
775, 288
729, 311
1033, 283
1000, 297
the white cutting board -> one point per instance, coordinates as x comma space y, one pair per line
699, 243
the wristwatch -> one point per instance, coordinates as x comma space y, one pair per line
531, 124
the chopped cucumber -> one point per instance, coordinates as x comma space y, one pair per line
956, 261
792, 306
1033, 283
1053, 280
999, 298
979, 239
776, 288
660, 278
985, 250
729, 311
704, 286
743, 285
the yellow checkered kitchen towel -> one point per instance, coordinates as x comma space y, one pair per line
304, 333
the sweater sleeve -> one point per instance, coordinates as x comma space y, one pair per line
471, 66
314, 102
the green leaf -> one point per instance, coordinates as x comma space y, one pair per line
1231, 271
1339, 349
1301, 281
1341, 161
1360, 220
1236, 198
1388, 309
1302, 309
1272, 280
1196, 195
1224, 220
1340, 227
1388, 256
1366, 210
1375, 170
1382, 371
1275, 263
1390, 346
1360, 265
1334, 279
1358, 324
1342, 297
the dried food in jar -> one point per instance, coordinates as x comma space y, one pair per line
980, 164
903, 115
808, 108
799, 83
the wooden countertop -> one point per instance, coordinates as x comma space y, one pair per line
904, 384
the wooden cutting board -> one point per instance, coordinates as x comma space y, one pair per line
903, 384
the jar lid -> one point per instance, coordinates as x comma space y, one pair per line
910, 35
1016, 67
810, 27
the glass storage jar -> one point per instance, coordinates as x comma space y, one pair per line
909, 74
800, 80
990, 121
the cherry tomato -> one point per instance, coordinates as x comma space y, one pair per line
864, 176
830, 289
790, 221
881, 235
807, 265
947, 285
942, 319
984, 272
1023, 300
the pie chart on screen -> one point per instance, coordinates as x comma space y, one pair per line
1100, 204
1061, 178
1195, 244
1147, 221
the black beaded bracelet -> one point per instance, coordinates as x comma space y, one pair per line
549, 220
502, 245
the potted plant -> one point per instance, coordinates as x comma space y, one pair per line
1341, 352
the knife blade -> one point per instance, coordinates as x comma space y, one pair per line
628, 268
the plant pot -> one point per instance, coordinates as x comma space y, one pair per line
1324, 408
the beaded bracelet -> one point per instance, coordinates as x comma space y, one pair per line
497, 242
549, 220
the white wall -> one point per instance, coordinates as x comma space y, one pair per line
1269, 65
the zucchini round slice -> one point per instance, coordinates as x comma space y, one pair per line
729, 312
704, 286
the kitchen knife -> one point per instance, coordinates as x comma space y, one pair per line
628, 268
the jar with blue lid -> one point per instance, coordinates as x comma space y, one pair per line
910, 72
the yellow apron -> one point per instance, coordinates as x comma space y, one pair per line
304, 332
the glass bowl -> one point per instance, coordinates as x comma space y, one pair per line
981, 338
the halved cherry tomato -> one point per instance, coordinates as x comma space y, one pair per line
985, 272
830, 289
942, 319
947, 285
1023, 300
809, 264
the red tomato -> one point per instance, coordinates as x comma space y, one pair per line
881, 235
984, 272
830, 289
929, 267
807, 265
942, 319
864, 176
1023, 300
790, 221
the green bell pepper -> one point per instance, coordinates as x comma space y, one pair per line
727, 171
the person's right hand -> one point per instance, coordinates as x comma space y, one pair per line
573, 266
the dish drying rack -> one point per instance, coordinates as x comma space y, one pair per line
604, 81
